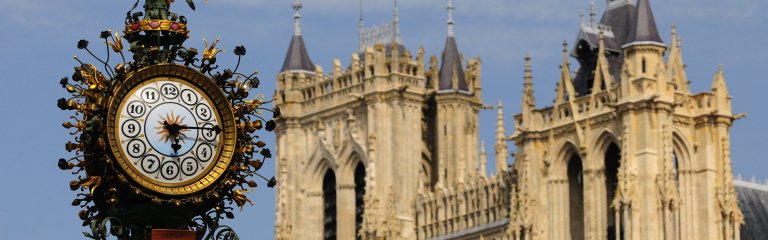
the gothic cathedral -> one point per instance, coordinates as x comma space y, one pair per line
387, 147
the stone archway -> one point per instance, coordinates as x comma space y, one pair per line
566, 187
329, 205
359, 198
611, 164
575, 171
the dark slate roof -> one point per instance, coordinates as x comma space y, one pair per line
627, 23
620, 21
297, 58
753, 202
451, 60
645, 26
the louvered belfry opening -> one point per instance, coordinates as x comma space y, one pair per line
359, 198
329, 206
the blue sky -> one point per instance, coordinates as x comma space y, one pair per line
39, 39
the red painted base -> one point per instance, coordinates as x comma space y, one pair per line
165, 234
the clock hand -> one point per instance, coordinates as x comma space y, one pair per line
175, 146
173, 131
216, 129
189, 138
175, 128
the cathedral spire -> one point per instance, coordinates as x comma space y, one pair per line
645, 31
297, 57
451, 67
501, 141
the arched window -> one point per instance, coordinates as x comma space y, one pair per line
359, 198
329, 206
643, 65
576, 196
676, 169
612, 162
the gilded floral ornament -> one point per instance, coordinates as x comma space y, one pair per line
117, 43
211, 51
241, 199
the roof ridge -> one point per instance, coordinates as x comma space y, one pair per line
751, 185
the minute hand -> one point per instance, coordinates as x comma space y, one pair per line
216, 129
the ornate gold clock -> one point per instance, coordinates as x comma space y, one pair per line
167, 140
171, 129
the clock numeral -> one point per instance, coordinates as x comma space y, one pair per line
131, 128
136, 148
188, 97
208, 135
169, 91
149, 95
136, 109
204, 152
169, 170
189, 166
150, 163
203, 112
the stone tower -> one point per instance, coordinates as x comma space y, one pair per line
386, 147
626, 152
457, 104
357, 145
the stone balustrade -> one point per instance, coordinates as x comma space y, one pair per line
469, 205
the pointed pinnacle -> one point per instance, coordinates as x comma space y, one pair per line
565, 53
674, 29
528, 76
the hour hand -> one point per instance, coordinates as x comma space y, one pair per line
175, 145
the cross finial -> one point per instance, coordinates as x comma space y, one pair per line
297, 6
674, 29
396, 22
592, 14
450, 18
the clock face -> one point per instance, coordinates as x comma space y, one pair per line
169, 130
169, 135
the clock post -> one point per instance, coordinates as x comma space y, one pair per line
166, 143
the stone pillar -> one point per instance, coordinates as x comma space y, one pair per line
345, 211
